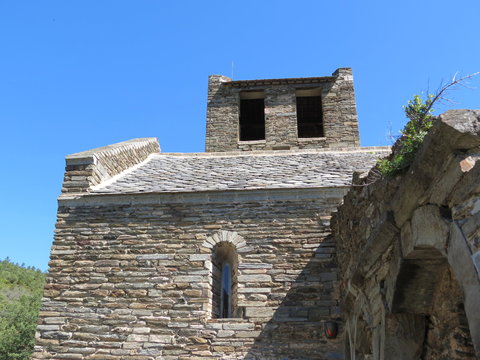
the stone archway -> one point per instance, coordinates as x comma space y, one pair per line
409, 251
428, 317
418, 297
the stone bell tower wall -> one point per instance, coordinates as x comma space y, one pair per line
340, 126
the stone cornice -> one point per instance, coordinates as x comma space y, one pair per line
288, 194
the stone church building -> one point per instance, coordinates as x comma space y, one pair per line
226, 254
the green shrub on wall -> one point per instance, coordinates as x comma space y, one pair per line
419, 112
420, 119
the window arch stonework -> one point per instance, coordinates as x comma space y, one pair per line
224, 247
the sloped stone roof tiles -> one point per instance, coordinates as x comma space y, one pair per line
166, 173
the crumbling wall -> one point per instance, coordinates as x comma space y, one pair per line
409, 251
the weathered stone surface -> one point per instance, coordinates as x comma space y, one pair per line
455, 131
159, 297
338, 106
418, 294
429, 230
92, 167
465, 125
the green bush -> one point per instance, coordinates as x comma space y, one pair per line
420, 120
20, 297
18, 321
419, 113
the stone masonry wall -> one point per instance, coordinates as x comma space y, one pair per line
90, 168
338, 104
130, 277
408, 252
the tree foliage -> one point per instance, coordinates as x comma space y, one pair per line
20, 296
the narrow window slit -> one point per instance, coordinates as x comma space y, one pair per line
224, 276
226, 301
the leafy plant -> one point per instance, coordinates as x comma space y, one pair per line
419, 112
17, 328
20, 296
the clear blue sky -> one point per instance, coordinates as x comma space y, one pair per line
76, 75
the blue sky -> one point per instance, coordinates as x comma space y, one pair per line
76, 75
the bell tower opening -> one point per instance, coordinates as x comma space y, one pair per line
252, 115
309, 113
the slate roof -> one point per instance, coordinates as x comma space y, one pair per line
219, 172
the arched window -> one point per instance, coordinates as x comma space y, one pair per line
224, 280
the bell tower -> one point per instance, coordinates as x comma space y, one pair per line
282, 114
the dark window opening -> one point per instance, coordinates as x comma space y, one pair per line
252, 119
226, 302
224, 281
309, 116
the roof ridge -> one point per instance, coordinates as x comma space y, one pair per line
365, 149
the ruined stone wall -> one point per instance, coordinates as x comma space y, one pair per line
408, 250
90, 168
130, 277
338, 104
